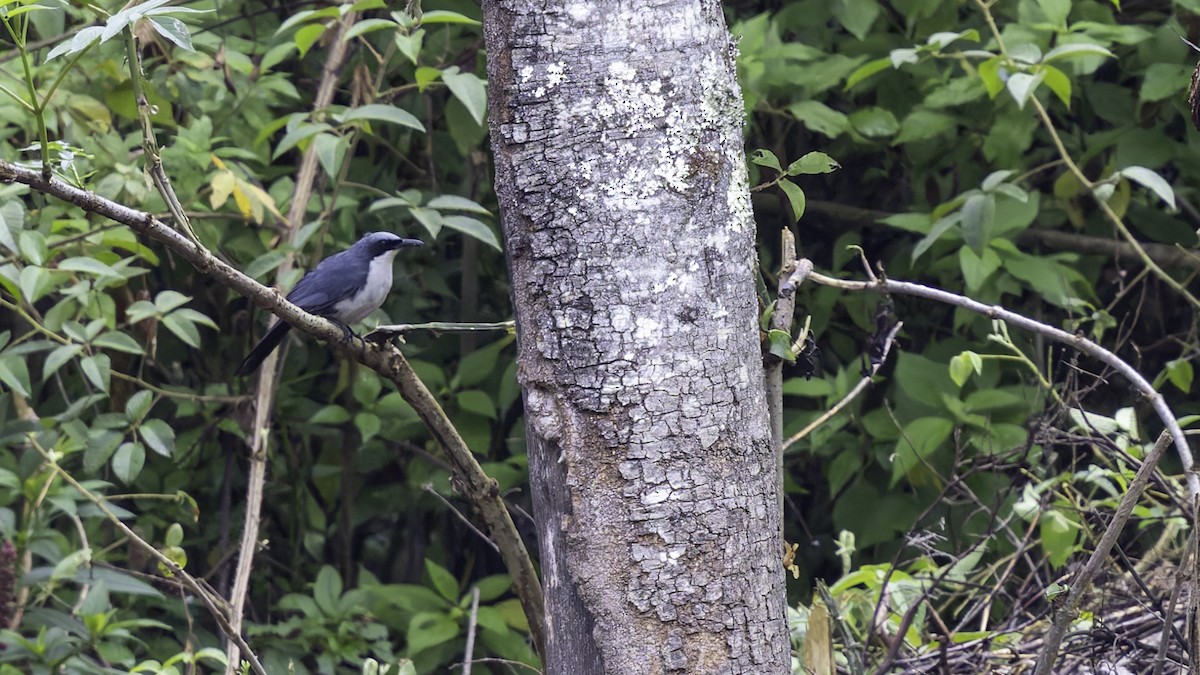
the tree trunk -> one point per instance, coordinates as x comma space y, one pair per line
622, 183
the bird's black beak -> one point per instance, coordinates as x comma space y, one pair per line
404, 243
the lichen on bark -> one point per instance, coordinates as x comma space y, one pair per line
626, 215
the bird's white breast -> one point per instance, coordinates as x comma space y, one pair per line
374, 291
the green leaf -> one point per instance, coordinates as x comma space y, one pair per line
918, 441
307, 36
940, 227
138, 405
128, 461
159, 436
813, 163
1076, 50
443, 582
989, 72
1151, 181
1022, 86
867, 70
331, 149
87, 266
977, 268
183, 328
781, 344
327, 590
963, 365
856, 16
922, 124
118, 341
33, 247
369, 26
1180, 374
174, 535
428, 629
477, 402
410, 45
15, 373
97, 368
384, 113
939, 41
445, 16
1164, 80
874, 122
12, 220
66, 568
491, 588
81, 41
795, 197
456, 203
469, 90
58, 358
174, 30
1059, 533
1058, 82
472, 228
332, 414
818, 117
169, 300
294, 137
368, 425
766, 158
978, 215
1056, 11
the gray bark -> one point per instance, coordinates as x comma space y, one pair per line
622, 184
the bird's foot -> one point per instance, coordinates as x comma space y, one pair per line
351, 336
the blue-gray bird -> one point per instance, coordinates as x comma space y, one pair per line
345, 287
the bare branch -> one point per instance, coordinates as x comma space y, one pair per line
1082, 582
1076, 342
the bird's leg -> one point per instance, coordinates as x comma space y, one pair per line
350, 335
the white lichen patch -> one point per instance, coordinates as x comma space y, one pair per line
555, 74
647, 329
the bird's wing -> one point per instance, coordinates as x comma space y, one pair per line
319, 291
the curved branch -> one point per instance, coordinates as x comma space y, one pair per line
1076, 342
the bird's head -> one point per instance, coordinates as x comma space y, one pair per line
377, 244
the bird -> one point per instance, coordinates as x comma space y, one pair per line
345, 288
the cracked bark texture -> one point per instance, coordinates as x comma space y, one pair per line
622, 185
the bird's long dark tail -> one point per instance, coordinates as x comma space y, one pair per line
264, 347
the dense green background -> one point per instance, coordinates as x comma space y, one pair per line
125, 355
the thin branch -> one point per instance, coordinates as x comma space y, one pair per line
472, 618
781, 320
1081, 584
211, 601
267, 382
1076, 342
858, 389
466, 521
154, 165
392, 330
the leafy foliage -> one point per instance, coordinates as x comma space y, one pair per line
117, 362
976, 141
